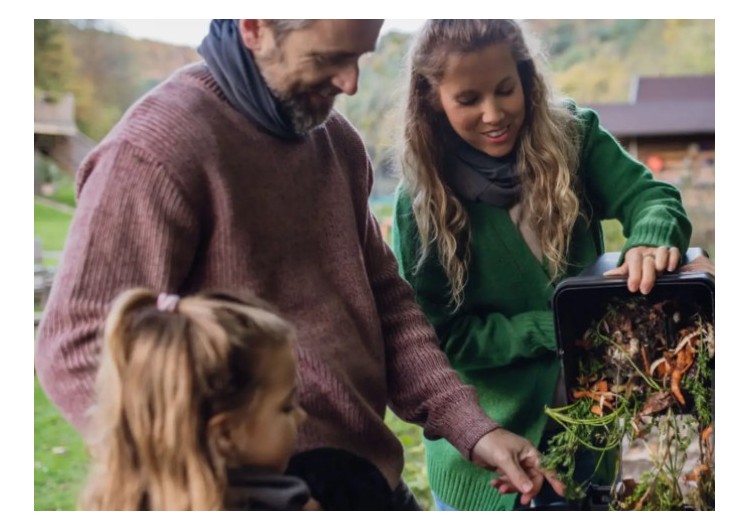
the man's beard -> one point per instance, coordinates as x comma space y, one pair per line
300, 109
302, 113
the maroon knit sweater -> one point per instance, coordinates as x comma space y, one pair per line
185, 194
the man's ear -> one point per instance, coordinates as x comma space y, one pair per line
251, 32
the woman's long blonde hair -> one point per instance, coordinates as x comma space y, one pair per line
164, 374
547, 150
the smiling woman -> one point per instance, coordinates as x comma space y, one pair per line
504, 188
484, 106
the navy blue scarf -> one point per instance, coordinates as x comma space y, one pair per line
233, 66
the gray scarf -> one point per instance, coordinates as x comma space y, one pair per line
478, 177
234, 69
253, 488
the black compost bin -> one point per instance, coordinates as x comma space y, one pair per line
579, 301
583, 300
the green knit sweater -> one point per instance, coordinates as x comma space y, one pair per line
502, 338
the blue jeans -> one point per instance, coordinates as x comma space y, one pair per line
440, 505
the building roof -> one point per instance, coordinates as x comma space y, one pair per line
663, 106
693, 88
663, 118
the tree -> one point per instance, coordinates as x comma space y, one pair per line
53, 58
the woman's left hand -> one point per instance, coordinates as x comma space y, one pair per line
643, 264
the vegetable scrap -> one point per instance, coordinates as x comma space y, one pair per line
644, 378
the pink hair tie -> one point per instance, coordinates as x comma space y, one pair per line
167, 302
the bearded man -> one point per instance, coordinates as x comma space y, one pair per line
237, 174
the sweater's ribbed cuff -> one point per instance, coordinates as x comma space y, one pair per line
655, 233
546, 325
468, 424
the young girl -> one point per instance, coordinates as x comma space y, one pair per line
195, 407
503, 191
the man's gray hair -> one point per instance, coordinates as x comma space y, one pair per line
282, 28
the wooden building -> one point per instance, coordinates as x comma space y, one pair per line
669, 124
56, 136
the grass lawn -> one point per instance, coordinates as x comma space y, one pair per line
65, 192
59, 457
614, 240
51, 226
415, 473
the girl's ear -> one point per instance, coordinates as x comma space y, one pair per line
219, 431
